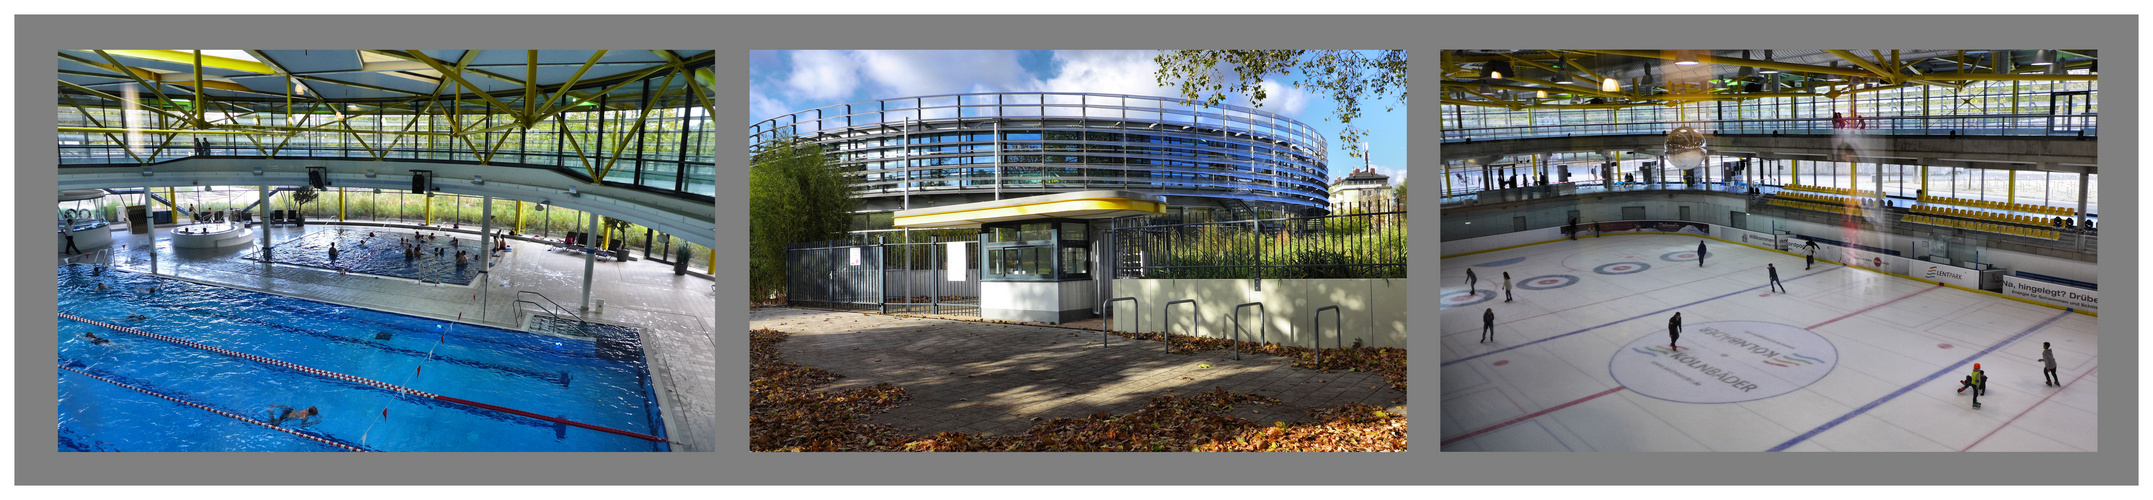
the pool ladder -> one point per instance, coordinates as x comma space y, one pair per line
554, 312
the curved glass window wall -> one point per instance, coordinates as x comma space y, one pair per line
1018, 144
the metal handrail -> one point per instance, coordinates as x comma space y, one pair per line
1316, 322
1263, 319
541, 308
1103, 306
1166, 326
579, 317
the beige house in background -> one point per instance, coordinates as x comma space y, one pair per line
1362, 187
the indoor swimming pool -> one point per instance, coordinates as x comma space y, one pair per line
193, 367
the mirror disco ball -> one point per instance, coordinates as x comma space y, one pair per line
1685, 148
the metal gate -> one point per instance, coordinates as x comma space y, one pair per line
932, 277
833, 276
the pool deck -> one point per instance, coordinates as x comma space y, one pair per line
1001, 379
677, 313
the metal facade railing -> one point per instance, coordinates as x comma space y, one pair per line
2083, 124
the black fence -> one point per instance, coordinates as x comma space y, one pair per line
929, 275
1366, 242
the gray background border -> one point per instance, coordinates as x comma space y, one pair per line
39, 36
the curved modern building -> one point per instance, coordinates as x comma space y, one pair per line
926, 151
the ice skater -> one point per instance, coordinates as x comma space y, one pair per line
1976, 380
1812, 247
2048, 367
1471, 280
1573, 228
1487, 325
1774, 273
1674, 330
1506, 286
1700, 253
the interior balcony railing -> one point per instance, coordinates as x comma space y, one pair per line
661, 171
2024, 125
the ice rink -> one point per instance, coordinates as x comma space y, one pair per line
1845, 360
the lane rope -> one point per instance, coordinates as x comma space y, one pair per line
359, 380
226, 414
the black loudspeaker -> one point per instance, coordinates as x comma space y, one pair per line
317, 178
418, 183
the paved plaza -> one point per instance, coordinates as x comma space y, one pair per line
676, 313
1000, 379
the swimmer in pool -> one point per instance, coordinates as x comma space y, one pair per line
94, 339
101, 287
137, 317
282, 414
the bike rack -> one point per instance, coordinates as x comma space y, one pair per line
1166, 328
1263, 317
1316, 322
1104, 306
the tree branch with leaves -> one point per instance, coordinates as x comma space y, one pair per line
1347, 77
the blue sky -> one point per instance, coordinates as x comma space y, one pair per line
789, 81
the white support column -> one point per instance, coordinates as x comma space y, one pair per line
485, 233
485, 252
262, 215
149, 216
590, 260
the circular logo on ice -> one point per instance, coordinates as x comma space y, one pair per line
1622, 268
1724, 362
1549, 282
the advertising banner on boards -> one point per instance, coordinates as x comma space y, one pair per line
1946, 274
2067, 296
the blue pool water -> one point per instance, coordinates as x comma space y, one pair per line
381, 255
600, 380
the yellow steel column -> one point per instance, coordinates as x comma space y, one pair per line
605, 236
1924, 183
1794, 171
339, 203
713, 262
2010, 190
1853, 178
1444, 172
428, 203
519, 216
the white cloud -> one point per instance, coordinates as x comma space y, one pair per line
1282, 99
1397, 174
763, 107
901, 73
822, 75
1105, 71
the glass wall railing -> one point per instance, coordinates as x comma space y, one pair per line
2076, 125
664, 172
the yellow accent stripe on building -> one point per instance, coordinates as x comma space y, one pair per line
1043, 209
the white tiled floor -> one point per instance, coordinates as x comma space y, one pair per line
677, 313
1545, 384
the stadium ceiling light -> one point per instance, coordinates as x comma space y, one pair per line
2043, 58
1767, 71
1562, 71
1685, 58
1609, 85
1542, 94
